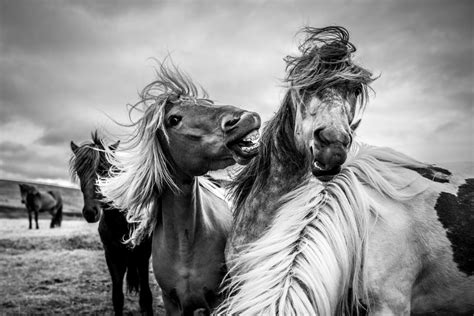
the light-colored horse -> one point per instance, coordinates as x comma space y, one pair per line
366, 233
157, 180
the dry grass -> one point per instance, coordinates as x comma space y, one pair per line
57, 271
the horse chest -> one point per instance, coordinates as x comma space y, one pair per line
188, 268
259, 209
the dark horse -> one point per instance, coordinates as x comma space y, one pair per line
37, 201
87, 163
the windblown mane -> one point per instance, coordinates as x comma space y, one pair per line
325, 62
311, 259
276, 141
141, 172
88, 161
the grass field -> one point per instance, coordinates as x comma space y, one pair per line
58, 271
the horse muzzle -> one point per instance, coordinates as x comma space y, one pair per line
243, 137
328, 160
91, 215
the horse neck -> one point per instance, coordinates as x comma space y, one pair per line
258, 210
181, 213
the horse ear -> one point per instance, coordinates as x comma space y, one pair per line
74, 147
114, 147
355, 125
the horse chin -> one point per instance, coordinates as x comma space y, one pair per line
323, 174
243, 155
244, 146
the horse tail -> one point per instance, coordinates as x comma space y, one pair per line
58, 215
133, 280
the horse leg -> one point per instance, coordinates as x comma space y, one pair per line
30, 217
117, 271
36, 219
145, 300
171, 308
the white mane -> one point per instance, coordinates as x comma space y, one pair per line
312, 257
139, 172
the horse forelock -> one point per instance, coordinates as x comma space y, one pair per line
89, 160
141, 169
325, 62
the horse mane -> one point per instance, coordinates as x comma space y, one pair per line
141, 171
325, 62
88, 160
311, 259
276, 141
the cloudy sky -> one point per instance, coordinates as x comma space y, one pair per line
67, 65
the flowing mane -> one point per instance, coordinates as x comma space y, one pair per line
141, 171
322, 228
325, 62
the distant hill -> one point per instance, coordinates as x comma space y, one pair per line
463, 168
10, 200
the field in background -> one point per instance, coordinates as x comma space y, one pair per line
58, 271
11, 207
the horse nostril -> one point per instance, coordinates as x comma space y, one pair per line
319, 137
325, 137
229, 122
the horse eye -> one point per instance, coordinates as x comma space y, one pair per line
174, 120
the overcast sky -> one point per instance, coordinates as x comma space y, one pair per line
66, 65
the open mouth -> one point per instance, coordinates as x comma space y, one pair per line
245, 148
324, 173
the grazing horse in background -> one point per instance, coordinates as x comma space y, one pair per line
88, 163
180, 137
37, 201
318, 234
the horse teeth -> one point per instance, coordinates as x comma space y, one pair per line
318, 166
250, 148
252, 137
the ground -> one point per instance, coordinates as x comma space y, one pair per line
58, 271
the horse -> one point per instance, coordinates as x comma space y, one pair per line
87, 163
158, 179
324, 225
37, 201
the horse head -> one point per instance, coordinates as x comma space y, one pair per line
206, 136
328, 92
25, 189
88, 163
193, 133
180, 134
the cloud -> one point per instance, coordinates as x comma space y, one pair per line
67, 65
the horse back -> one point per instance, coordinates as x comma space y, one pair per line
455, 211
51, 200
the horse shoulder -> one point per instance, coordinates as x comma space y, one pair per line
411, 254
392, 260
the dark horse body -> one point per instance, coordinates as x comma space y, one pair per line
37, 201
87, 163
